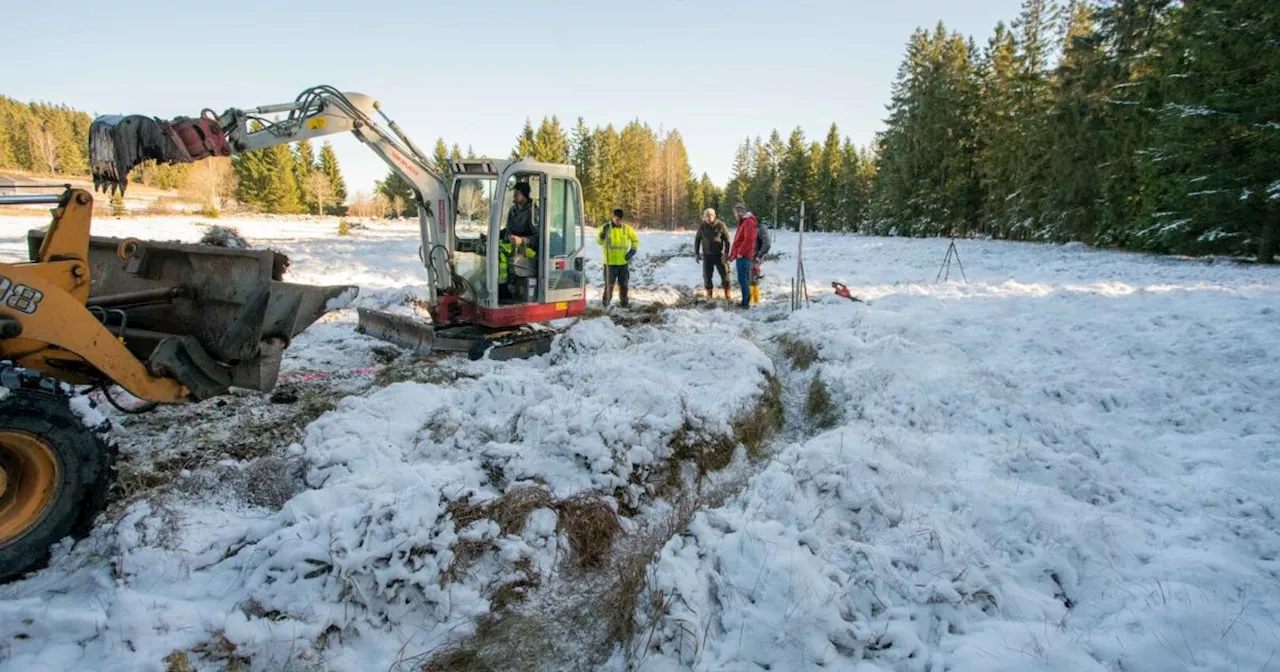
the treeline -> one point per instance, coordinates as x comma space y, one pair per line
643, 171
1145, 124
287, 179
43, 138
834, 180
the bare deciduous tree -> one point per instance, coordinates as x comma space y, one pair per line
211, 181
472, 203
44, 144
321, 189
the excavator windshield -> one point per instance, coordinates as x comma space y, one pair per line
473, 197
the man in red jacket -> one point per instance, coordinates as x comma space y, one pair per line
743, 251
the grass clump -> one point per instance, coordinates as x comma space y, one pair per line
818, 406
754, 428
802, 353
591, 525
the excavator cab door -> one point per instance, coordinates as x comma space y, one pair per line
564, 237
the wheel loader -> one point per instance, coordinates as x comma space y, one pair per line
175, 323
166, 322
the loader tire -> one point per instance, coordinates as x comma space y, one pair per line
54, 476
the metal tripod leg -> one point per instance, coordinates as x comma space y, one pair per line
946, 264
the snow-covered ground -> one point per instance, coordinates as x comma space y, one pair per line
1071, 461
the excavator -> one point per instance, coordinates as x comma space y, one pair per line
173, 323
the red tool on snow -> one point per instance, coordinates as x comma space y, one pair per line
842, 290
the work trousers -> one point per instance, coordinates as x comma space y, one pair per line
619, 274
710, 264
743, 266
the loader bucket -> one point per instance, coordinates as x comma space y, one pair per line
231, 303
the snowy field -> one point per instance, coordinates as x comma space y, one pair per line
1069, 462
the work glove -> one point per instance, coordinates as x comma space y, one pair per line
630, 253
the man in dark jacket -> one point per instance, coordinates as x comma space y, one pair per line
711, 248
521, 229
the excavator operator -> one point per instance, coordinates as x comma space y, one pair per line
518, 247
520, 228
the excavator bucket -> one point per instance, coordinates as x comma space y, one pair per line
402, 330
210, 316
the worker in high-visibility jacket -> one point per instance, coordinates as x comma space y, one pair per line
506, 251
620, 242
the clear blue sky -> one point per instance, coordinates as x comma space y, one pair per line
471, 72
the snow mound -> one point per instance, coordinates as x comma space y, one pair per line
425, 505
1087, 492
224, 236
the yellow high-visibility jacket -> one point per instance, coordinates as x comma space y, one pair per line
617, 241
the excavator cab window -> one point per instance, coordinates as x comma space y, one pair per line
473, 199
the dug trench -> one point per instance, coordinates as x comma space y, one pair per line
591, 614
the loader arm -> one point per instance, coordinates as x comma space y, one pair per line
323, 110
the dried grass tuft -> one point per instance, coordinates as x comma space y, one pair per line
802, 353
591, 525
757, 426
819, 407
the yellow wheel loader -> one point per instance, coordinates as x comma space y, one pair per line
167, 322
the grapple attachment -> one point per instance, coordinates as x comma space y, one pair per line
118, 143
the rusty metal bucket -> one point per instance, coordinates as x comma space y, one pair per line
233, 302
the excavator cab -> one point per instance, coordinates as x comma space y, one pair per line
504, 283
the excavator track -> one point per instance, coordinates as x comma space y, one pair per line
477, 342
515, 346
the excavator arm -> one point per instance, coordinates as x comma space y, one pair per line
316, 112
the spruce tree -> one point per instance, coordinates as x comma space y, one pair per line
608, 164
997, 133
1075, 126
338, 186
280, 194
762, 194
927, 182
637, 148
713, 197
252, 175
796, 181
831, 213
1216, 138
397, 191
1131, 32
740, 175
550, 144
440, 160
525, 147
582, 153
304, 163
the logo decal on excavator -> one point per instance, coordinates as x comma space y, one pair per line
316, 124
19, 297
